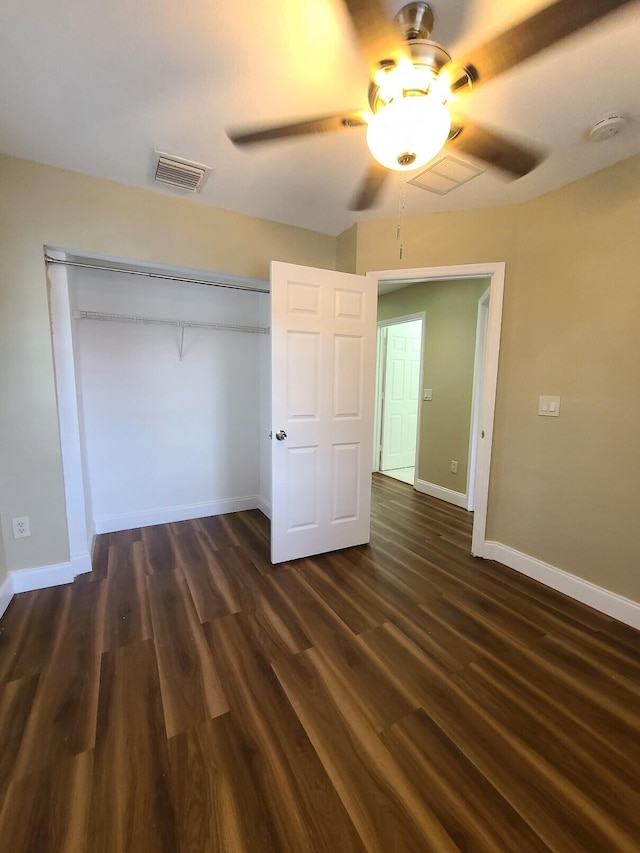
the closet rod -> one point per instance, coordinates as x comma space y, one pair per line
160, 321
50, 260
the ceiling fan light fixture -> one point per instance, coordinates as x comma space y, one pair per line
408, 80
408, 132
391, 71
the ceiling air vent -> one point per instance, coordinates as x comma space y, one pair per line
445, 175
179, 173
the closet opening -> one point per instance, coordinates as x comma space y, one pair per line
163, 394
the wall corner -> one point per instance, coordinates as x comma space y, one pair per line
347, 250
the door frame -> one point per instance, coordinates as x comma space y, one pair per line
476, 396
487, 394
377, 435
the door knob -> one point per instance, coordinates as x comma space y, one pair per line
281, 435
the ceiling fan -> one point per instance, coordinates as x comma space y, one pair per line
414, 81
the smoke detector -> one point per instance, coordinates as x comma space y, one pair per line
607, 127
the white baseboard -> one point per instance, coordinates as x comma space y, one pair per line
264, 506
448, 495
82, 563
6, 593
620, 608
25, 580
165, 515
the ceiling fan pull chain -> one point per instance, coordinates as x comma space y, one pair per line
401, 215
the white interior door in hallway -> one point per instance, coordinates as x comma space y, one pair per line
400, 394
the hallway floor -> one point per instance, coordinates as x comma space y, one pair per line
405, 475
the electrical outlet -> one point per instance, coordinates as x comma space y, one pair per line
454, 466
20, 527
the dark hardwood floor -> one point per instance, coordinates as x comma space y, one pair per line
401, 696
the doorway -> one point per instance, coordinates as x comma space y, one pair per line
398, 382
484, 394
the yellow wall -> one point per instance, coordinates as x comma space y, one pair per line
43, 206
564, 490
451, 310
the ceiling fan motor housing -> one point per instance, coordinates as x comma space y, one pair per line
416, 20
426, 55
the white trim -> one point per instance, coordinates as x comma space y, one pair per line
6, 593
82, 563
25, 580
264, 506
476, 394
440, 492
377, 408
165, 515
126, 265
614, 605
79, 526
487, 411
496, 271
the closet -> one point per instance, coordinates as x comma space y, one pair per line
172, 383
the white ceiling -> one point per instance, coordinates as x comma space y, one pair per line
95, 87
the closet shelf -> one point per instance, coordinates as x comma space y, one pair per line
158, 321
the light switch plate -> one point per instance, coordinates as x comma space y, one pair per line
428, 394
549, 407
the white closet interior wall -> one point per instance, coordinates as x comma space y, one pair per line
166, 439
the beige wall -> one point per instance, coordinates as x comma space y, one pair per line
43, 206
346, 250
460, 237
563, 490
451, 309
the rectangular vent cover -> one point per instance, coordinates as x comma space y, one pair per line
180, 173
445, 175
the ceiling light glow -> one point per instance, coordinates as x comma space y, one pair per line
408, 132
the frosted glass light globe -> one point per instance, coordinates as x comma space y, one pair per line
408, 132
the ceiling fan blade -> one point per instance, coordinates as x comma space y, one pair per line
380, 39
497, 151
370, 187
526, 39
322, 124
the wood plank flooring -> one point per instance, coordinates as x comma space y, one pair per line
400, 696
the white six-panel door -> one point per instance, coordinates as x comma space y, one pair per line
401, 395
323, 327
